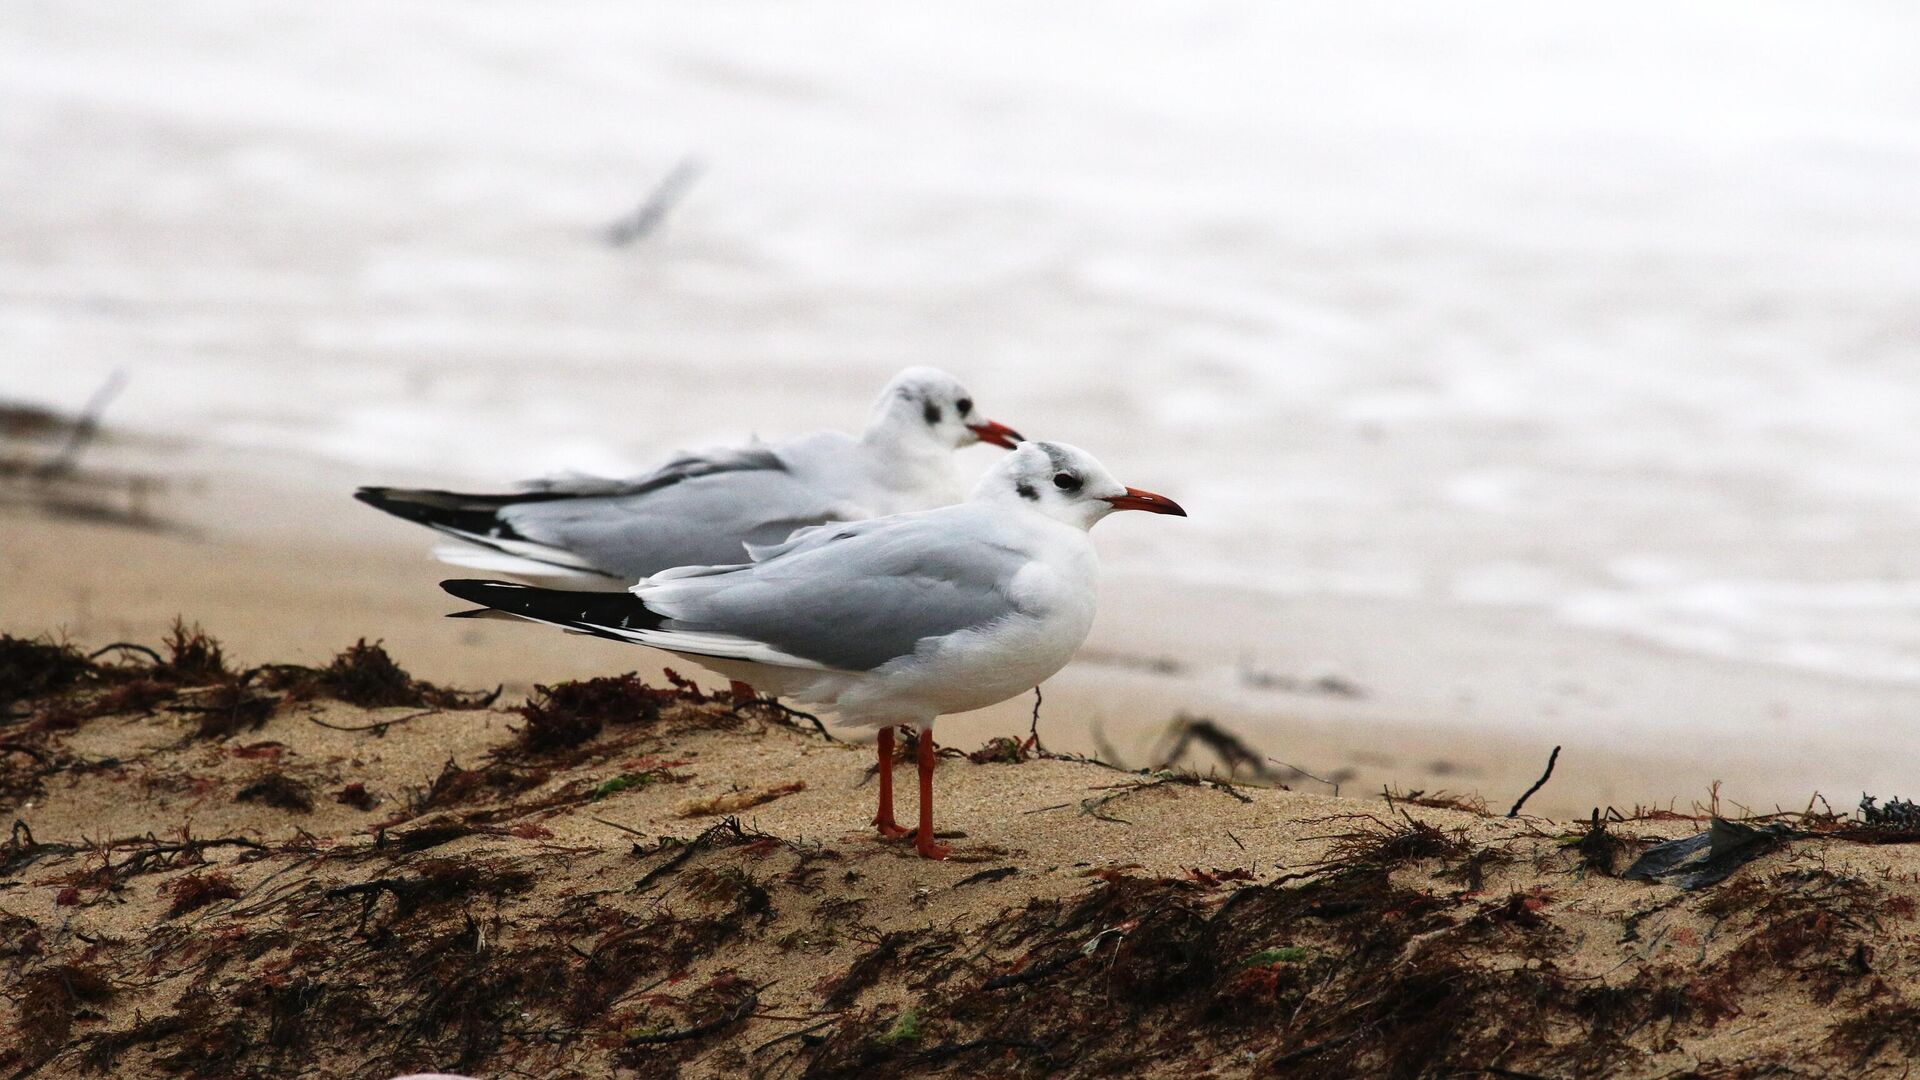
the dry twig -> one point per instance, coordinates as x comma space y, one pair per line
1537, 784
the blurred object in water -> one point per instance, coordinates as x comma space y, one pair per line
647, 217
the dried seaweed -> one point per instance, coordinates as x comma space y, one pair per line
455, 786
227, 710
1597, 846
139, 696
437, 881
842, 990
50, 999
279, 790
567, 714
193, 658
1889, 1025
195, 891
1096, 806
1437, 800
36, 667
1385, 846
1000, 750
473, 940
357, 796
364, 674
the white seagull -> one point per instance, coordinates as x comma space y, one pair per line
703, 508
890, 621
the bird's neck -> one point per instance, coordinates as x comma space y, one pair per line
901, 461
905, 442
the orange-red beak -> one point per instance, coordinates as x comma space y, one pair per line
1135, 499
997, 434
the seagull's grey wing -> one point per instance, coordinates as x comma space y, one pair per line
693, 511
814, 536
852, 599
755, 455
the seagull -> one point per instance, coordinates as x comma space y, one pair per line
889, 621
701, 508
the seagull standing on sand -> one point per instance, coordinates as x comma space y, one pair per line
703, 508
890, 621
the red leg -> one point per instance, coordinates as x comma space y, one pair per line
884, 819
923, 840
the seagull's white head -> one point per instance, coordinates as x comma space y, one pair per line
927, 407
1067, 484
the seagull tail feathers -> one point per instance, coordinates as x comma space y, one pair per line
614, 615
446, 510
477, 520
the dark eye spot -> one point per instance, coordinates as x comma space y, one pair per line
1066, 481
931, 412
965, 405
1026, 490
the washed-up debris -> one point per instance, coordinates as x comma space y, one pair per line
1897, 814
567, 714
195, 891
363, 674
278, 790
1537, 784
227, 710
482, 928
1709, 857
1095, 806
35, 667
55, 484
1232, 750
733, 802
1597, 847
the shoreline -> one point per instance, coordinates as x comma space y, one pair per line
272, 555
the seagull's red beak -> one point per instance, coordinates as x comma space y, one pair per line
1135, 499
997, 434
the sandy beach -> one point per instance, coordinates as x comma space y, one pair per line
635, 881
1538, 383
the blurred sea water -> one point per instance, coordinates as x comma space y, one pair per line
1609, 316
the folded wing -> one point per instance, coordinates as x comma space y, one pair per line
851, 599
696, 509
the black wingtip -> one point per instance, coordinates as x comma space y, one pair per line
403, 504
609, 613
454, 510
494, 597
479, 590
